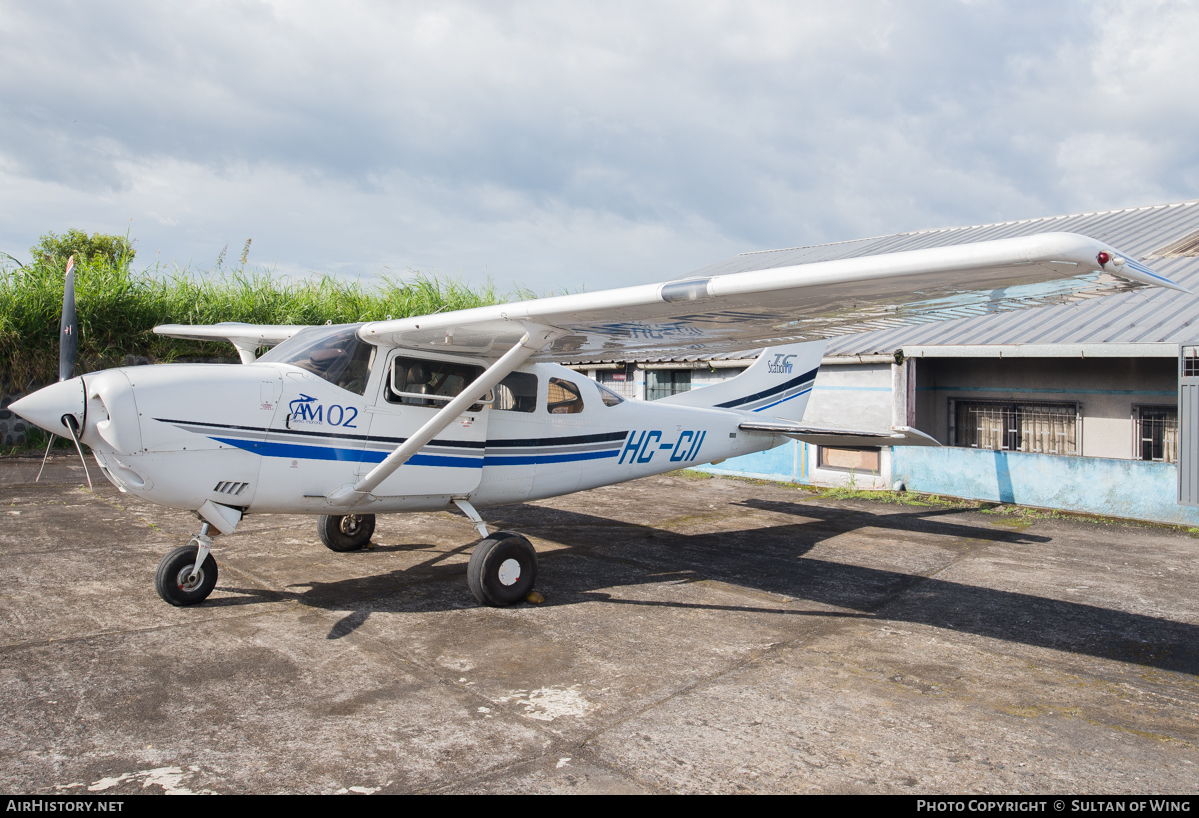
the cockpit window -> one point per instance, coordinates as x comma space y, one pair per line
336, 354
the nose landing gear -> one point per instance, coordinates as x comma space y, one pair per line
187, 575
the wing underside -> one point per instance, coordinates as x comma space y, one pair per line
728, 313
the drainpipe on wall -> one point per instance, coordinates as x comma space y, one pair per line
903, 391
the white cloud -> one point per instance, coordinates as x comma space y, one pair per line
561, 144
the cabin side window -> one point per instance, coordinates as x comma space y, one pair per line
516, 393
609, 397
563, 398
417, 382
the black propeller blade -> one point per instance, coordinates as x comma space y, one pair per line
68, 337
68, 355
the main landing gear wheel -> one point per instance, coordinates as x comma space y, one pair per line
175, 583
348, 533
502, 570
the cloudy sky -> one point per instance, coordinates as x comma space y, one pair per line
560, 145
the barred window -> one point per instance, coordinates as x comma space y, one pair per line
1156, 433
1190, 362
1047, 428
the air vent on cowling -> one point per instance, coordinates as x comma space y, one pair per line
1186, 247
230, 488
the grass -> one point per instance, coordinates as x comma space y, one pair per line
898, 498
119, 306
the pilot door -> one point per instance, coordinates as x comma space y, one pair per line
413, 391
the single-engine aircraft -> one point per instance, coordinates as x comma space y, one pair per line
473, 409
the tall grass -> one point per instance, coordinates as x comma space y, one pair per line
118, 307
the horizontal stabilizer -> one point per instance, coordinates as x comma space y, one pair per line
828, 436
245, 337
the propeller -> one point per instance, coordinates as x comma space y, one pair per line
68, 355
68, 329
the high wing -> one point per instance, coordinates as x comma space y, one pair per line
785, 305
246, 337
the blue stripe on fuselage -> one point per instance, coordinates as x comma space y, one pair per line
299, 451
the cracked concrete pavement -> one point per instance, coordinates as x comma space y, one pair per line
698, 635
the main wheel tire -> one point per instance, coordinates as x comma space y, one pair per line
346, 533
172, 579
502, 570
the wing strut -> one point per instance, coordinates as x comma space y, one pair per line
535, 339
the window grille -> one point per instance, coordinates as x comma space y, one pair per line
1045, 428
1190, 362
1156, 433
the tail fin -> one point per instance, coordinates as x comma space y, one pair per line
776, 385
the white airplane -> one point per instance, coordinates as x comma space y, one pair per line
470, 408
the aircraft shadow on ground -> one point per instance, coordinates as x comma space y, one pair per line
602, 555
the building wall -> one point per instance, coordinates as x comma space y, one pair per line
1105, 388
1106, 480
1112, 487
856, 396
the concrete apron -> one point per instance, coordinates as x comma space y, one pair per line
698, 635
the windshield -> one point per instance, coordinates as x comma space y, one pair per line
334, 353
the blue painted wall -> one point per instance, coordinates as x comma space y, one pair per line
1132, 489
787, 463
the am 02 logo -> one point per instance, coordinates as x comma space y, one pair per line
307, 409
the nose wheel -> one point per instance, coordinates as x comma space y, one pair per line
180, 582
502, 570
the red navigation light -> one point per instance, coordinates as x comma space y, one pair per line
1103, 258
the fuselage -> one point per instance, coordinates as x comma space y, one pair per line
274, 437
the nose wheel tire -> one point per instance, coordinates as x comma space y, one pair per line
173, 580
348, 533
502, 570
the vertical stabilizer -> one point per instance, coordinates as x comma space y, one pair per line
776, 385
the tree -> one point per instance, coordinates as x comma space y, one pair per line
96, 247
